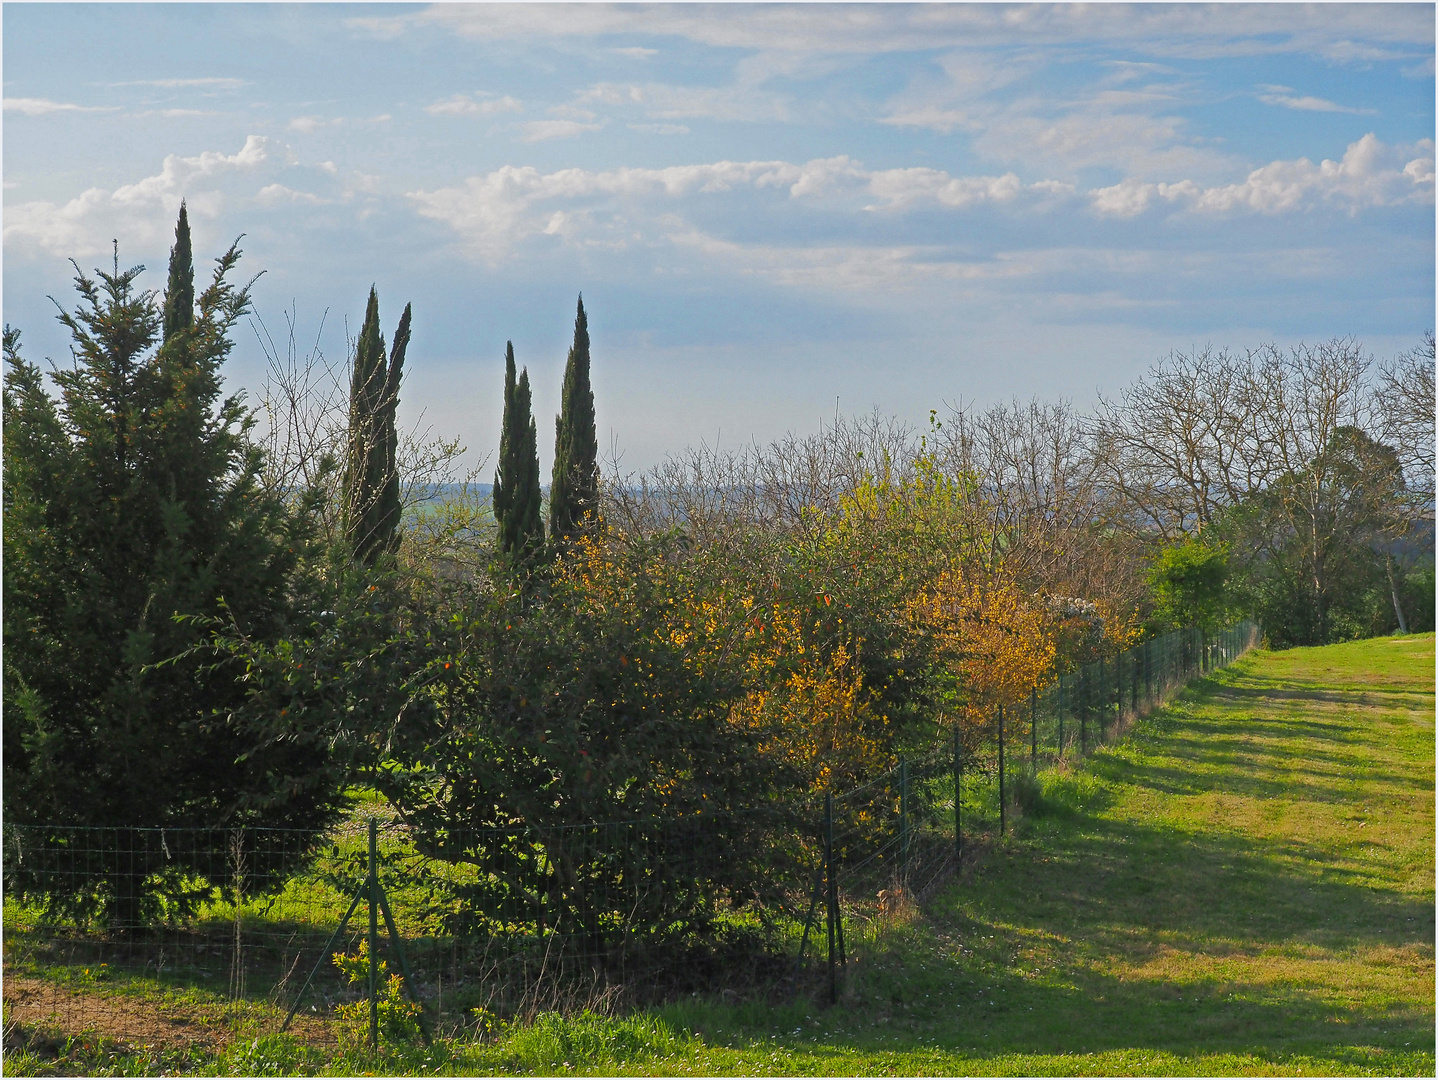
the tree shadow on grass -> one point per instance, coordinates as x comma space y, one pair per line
1299, 758
1244, 918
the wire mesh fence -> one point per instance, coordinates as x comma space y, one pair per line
194, 935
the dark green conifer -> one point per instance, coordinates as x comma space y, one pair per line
371, 478
574, 490
516, 481
365, 458
180, 289
132, 494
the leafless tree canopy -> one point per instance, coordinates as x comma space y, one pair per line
1405, 407
1207, 431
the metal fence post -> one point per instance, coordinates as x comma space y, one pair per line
1083, 711
373, 938
958, 817
1133, 679
904, 820
1061, 716
1034, 730
831, 900
1002, 820
1102, 702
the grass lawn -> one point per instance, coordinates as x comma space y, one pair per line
1244, 885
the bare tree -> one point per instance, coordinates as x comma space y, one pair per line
1050, 515
1405, 407
1181, 444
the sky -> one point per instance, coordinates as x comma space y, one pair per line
774, 212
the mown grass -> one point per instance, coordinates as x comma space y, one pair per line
1244, 885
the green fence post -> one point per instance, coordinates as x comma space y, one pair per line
904, 821
1061, 717
1103, 701
958, 818
1133, 679
1083, 711
832, 899
1002, 821
373, 939
398, 945
1034, 730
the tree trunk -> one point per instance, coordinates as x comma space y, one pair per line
1393, 589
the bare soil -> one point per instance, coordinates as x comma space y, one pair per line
39, 1006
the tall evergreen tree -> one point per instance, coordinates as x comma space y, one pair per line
179, 311
131, 497
574, 489
371, 479
516, 481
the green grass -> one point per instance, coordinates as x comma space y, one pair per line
1244, 885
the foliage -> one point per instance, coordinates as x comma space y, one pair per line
516, 495
596, 696
398, 1016
1313, 563
1189, 582
1000, 644
132, 504
574, 489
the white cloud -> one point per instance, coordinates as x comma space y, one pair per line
44, 106
1130, 198
278, 194
173, 114
853, 268
139, 214
540, 130
1370, 174
210, 83
904, 187
465, 105
742, 101
1285, 100
308, 125
1130, 142
659, 129
1114, 123
1345, 33
637, 52
494, 212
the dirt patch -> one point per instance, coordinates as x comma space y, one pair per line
37, 1005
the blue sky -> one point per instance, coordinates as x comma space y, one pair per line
773, 211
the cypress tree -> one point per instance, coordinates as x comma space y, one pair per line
364, 465
179, 313
371, 480
389, 505
516, 481
574, 490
